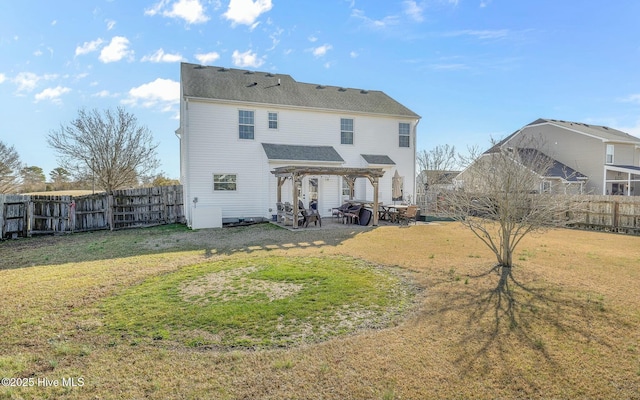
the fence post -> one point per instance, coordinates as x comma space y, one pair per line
109, 211
29, 211
616, 214
2, 223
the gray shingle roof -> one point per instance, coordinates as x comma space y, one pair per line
602, 132
378, 159
301, 153
279, 89
557, 169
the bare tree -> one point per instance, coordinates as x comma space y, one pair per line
435, 164
10, 166
110, 147
503, 199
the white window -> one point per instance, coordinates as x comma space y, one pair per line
224, 182
404, 134
246, 124
346, 131
273, 120
609, 154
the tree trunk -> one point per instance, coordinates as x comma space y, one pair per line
505, 273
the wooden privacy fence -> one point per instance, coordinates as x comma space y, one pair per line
23, 216
600, 213
608, 213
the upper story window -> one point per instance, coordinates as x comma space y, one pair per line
246, 124
346, 130
273, 120
404, 134
609, 159
224, 182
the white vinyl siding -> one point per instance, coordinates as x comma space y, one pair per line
214, 148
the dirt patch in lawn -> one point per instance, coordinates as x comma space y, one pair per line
230, 285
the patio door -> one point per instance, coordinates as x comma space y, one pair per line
309, 191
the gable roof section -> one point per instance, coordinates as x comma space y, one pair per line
557, 169
279, 89
377, 159
301, 153
602, 132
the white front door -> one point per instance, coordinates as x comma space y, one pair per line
309, 190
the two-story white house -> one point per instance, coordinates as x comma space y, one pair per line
238, 126
601, 160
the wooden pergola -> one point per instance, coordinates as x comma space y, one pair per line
297, 173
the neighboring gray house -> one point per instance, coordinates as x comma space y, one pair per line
237, 126
599, 159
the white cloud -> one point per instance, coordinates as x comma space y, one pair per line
484, 3
246, 59
191, 11
245, 12
353, 54
207, 58
27, 81
413, 10
161, 93
449, 67
312, 39
116, 50
88, 47
373, 23
320, 51
110, 24
52, 94
102, 93
3, 78
275, 38
161, 56
480, 34
632, 98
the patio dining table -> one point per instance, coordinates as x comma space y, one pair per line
392, 212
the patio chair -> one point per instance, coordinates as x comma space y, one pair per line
287, 215
352, 214
339, 211
311, 216
280, 215
409, 215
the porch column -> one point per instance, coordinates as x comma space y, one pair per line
296, 183
374, 182
281, 181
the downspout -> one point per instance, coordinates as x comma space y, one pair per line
415, 151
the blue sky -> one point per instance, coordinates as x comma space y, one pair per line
473, 69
